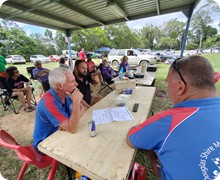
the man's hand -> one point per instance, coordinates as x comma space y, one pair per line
76, 96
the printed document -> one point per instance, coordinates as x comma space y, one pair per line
112, 114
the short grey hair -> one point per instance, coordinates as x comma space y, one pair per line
58, 75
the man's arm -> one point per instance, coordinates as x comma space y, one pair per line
72, 123
85, 104
129, 142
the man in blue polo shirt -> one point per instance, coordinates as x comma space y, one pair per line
60, 107
186, 138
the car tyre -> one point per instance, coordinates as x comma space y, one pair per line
144, 63
115, 63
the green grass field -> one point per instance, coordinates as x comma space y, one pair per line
10, 165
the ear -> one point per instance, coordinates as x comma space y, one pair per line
181, 88
59, 86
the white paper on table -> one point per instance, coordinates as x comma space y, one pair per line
111, 114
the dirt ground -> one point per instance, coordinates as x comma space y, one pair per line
21, 125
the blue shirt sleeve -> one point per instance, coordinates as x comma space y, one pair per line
150, 135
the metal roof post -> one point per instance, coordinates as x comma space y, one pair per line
191, 8
68, 33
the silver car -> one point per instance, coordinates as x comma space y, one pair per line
41, 58
12, 59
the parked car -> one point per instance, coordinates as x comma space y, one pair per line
41, 58
54, 58
134, 57
12, 59
167, 55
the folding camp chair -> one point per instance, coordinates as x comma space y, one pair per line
8, 101
104, 83
34, 80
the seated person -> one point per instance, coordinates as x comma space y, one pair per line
42, 75
124, 66
15, 85
107, 71
91, 67
62, 62
83, 80
60, 107
178, 135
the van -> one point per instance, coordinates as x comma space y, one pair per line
66, 54
134, 57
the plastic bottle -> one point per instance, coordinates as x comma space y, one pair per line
84, 177
121, 73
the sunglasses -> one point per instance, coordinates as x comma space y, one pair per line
175, 66
16, 71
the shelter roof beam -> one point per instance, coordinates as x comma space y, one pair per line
158, 6
4, 16
25, 9
81, 11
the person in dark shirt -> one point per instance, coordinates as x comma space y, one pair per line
83, 80
16, 87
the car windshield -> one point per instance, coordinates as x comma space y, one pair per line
40, 56
137, 52
55, 56
17, 56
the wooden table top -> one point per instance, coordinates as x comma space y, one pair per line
105, 156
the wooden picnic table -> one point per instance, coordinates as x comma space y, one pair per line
147, 80
105, 156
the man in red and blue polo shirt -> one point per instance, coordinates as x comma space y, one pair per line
60, 107
186, 138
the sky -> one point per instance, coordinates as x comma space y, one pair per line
136, 24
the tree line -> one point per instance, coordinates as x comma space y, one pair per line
14, 40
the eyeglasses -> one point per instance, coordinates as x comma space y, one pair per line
16, 71
175, 66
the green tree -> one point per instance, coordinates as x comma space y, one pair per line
150, 36
60, 42
15, 41
167, 43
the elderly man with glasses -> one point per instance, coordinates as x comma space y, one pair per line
186, 138
42, 75
16, 87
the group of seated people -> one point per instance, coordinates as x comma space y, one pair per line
177, 136
85, 72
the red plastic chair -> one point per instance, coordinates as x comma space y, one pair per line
28, 155
217, 77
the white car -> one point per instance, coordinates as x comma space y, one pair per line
41, 58
134, 57
12, 59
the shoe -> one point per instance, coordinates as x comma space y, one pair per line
28, 109
32, 107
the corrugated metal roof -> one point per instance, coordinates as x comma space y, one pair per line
79, 14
